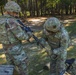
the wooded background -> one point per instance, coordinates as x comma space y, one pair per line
37, 8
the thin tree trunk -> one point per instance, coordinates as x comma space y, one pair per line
2, 10
37, 9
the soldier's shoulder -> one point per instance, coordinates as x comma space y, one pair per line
2, 19
65, 33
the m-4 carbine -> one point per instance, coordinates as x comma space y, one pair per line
27, 29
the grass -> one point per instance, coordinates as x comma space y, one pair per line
71, 28
38, 57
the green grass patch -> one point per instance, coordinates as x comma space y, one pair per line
2, 59
71, 28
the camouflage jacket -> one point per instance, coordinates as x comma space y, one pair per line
58, 41
10, 30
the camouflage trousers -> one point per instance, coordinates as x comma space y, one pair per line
57, 63
16, 55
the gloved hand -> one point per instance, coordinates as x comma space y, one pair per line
29, 34
46, 46
55, 51
42, 41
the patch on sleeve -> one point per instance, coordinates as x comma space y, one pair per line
12, 23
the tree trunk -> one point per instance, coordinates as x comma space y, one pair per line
2, 10
70, 9
41, 8
37, 9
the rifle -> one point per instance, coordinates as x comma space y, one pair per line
62, 72
27, 29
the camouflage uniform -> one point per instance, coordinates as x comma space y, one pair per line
12, 35
57, 37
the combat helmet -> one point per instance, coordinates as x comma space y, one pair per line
12, 6
52, 24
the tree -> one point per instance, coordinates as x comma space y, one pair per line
2, 3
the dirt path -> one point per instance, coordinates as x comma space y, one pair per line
37, 23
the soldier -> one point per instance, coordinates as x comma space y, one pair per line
57, 37
11, 36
